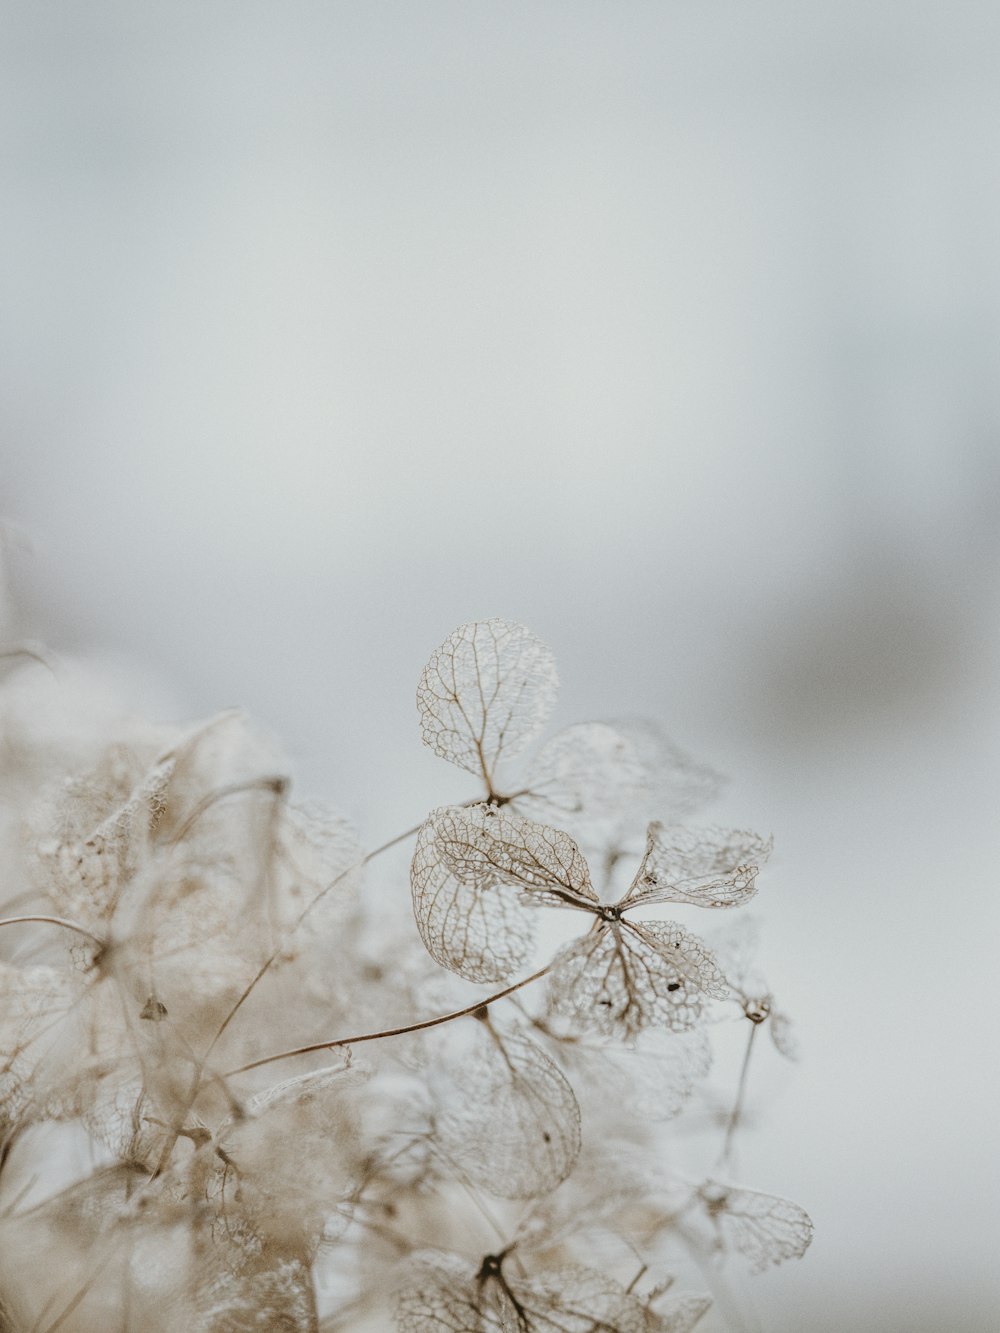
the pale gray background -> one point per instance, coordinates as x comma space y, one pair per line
669, 329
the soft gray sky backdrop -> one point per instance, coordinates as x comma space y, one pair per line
671, 330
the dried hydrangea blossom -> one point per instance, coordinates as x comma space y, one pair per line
446, 1292
279, 1296
484, 845
484, 692
67, 1051
764, 1228
508, 1118
623, 976
182, 853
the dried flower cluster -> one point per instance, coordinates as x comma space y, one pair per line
175, 926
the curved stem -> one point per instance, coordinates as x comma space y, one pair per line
55, 921
34, 651
269, 962
392, 1032
275, 783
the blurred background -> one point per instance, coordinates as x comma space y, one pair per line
670, 330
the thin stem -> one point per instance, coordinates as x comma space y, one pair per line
737, 1111
637, 1279
55, 921
392, 1032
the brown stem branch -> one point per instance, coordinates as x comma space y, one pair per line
55, 921
392, 1032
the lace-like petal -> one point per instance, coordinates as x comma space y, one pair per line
623, 978
652, 1079
509, 1120
585, 772
783, 1036
480, 930
482, 844
764, 1228
484, 692
678, 1314
279, 1296
447, 1293
706, 867
440, 1296
576, 1299
615, 773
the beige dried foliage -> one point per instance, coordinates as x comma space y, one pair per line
34, 1002
278, 1296
195, 927
291, 1158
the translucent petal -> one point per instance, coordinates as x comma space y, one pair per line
652, 1079
484, 692
676, 783
481, 930
625, 977
588, 771
440, 1294
706, 867
576, 1299
678, 1314
296, 1155
783, 1036
323, 864
88, 835
509, 1118
763, 1228
617, 773
304, 1087
447, 1293
735, 944
33, 1003
276, 1295
483, 843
